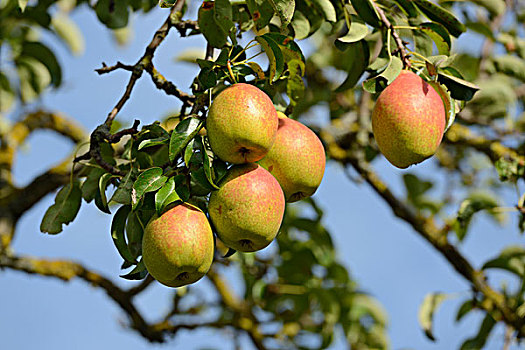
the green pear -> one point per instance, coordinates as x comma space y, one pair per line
242, 124
296, 159
177, 247
408, 120
248, 209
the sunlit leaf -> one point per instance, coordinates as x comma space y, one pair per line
439, 14
65, 209
118, 234
426, 312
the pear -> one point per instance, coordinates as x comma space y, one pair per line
242, 124
408, 120
177, 247
297, 159
248, 208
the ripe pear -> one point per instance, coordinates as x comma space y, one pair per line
408, 120
242, 124
248, 209
296, 159
177, 247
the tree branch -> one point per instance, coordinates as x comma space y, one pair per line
461, 135
146, 59
22, 129
395, 35
428, 230
67, 270
244, 319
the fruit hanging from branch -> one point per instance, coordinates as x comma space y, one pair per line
408, 120
248, 209
242, 124
297, 159
177, 247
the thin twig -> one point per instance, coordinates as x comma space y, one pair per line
108, 69
399, 42
147, 58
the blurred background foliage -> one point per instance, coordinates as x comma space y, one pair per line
297, 293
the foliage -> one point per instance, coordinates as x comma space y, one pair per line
300, 285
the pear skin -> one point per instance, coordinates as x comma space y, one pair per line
177, 247
408, 120
297, 159
248, 209
242, 124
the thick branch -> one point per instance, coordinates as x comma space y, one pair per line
167, 86
22, 129
67, 270
428, 230
244, 320
23, 199
461, 135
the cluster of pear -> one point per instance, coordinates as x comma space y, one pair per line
408, 120
243, 128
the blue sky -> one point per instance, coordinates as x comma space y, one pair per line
381, 252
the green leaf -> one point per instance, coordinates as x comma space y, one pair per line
223, 17
207, 159
366, 10
415, 187
134, 233
118, 234
407, 7
184, 132
513, 66
357, 31
478, 342
300, 25
495, 7
448, 102
294, 85
65, 209
426, 312
261, 12
100, 197
326, 8
138, 273
275, 56
423, 44
289, 48
122, 194
22, 4
438, 14
43, 54
69, 32
213, 32
509, 170
150, 180
165, 196
464, 309
511, 259
90, 185
285, 10
114, 14
188, 152
358, 57
475, 203
459, 88
379, 82
167, 3
207, 78
439, 35
153, 142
